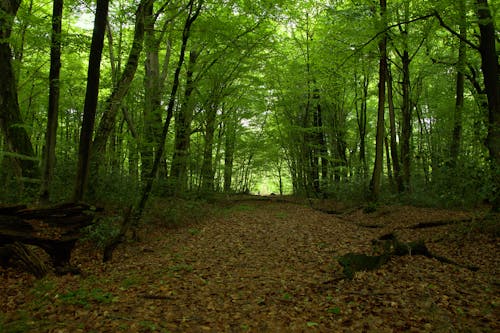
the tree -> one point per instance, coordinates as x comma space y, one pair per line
114, 101
491, 75
11, 122
91, 96
379, 149
53, 109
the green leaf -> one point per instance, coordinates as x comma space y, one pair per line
335, 310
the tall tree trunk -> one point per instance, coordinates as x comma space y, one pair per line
11, 123
113, 103
49, 157
459, 101
379, 146
91, 97
207, 172
152, 93
406, 109
361, 120
406, 128
490, 68
230, 142
183, 120
192, 16
393, 133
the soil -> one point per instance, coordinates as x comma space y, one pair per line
270, 266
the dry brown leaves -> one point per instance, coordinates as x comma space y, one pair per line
267, 266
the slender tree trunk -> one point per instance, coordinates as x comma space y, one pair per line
183, 119
113, 103
406, 128
91, 97
230, 142
406, 110
393, 132
491, 75
192, 16
17, 139
379, 146
361, 119
388, 160
49, 157
456, 138
152, 93
207, 172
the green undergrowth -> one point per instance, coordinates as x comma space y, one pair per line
173, 212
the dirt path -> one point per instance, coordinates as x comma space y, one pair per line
266, 266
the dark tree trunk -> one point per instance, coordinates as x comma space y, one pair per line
183, 120
91, 97
207, 171
406, 127
361, 120
49, 157
113, 102
192, 16
393, 142
459, 101
11, 123
489, 66
152, 93
379, 148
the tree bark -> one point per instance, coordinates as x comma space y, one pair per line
393, 133
49, 157
152, 93
91, 97
113, 103
490, 68
379, 146
230, 142
192, 16
11, 123
459, 99
183, 119
207, 173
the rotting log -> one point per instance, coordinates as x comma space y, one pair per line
54, 229
388, 246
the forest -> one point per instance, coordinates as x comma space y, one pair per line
137, 133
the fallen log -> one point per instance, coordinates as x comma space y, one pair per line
433, 224
54, 229
388, 246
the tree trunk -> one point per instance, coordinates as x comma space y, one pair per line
192, 16
406, 109
207, 172
393, 133
152, 93
459, 101
406, 128
91, 97
183, 118
379, 146
489, 66
361, 120
49, 157
113, 103
11, 123
230, 142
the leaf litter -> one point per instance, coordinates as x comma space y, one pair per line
269, 266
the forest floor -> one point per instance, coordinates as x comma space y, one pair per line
266, 265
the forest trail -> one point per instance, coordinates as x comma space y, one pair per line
269, 266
